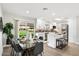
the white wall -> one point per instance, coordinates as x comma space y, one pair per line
7, 20
1, 48
0, 11
74, 30
77, 29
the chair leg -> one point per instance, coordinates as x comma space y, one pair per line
12, 52
20, 54
41, 54
16, 54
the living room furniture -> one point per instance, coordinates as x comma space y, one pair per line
27, 47
63, 42
16, 49
38, 49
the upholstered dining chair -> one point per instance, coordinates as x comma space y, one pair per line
38, 49
16, 49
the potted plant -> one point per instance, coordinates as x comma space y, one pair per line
7, 30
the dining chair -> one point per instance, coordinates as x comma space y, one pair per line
41, 38
16, 49
38, 49
62, 42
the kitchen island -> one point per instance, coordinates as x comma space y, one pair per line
52, 36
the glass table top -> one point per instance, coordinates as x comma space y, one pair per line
27, 44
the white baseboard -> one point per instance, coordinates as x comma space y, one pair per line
77, 43
74, 42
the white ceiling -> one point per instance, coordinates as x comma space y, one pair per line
36, 9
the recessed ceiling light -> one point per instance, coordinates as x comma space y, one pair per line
53, 14
27, 11
58, 19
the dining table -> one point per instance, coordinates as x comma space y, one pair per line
27, 46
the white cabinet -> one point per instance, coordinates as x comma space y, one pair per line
52, 39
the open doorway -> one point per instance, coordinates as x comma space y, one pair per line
26, 29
